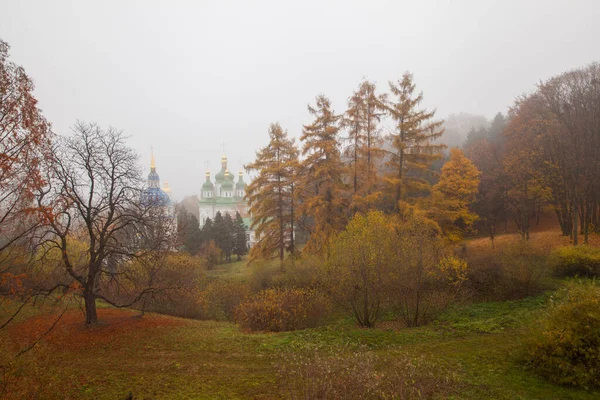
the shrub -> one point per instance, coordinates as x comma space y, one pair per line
220, 298
522, 268
513, 272
565, 346
309, 375
181, 276
282, 310
359, 265
302, 272
210, 253
577, 260
427, 278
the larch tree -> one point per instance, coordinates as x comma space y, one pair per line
271, 198
321, 183
362, 123
455, 193
412, 140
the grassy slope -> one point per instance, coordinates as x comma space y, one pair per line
164, 357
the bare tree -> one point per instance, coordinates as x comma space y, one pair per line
96, 206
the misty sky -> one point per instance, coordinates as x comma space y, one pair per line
184, 76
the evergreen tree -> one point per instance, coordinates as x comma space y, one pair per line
271, 196
240, 246
412, 144
228, 237
361, 120
208, 231
220, 234
321, 188
189, 233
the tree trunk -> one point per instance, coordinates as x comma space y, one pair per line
575, 224
91, 316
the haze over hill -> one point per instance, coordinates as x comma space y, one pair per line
185, 76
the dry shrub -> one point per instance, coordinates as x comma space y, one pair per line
522, 268
220, 298
309, 374
282, 309
180, 277
512, 272
301, 272
210, 254
565, 346
577, 260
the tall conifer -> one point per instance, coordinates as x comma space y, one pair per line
321, 188
412, 141
271, 198
361, 121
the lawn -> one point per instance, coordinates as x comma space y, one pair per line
164, 357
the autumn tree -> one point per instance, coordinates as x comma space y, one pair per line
526, 183
412, 147
362, 124
487, 154
321, 187
427, 278
359, 265
271, 196
570, 107
95, 198
240, 245
24, 146
455, 193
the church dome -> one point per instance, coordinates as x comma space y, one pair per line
220, 176
207, 185
240, 185
228, 184
155, 197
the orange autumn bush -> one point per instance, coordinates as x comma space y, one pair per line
282, 309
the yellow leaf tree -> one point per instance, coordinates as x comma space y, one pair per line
359, 265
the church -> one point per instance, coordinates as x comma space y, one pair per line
225, 195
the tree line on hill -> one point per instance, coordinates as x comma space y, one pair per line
545, 154
217, 240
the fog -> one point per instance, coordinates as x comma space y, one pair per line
185, 77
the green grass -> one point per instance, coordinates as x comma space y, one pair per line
179, 359
235, 270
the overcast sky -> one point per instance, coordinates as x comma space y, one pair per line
185, 76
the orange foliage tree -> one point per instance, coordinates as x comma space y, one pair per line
24, 146
321, 182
